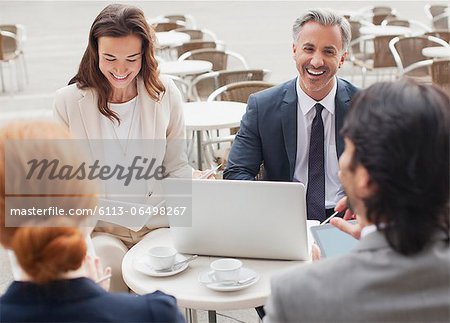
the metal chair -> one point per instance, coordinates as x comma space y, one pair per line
433, 11
10, 54
182, 85
203, 85
197, 44
410, 23
237, 92
410, 61
441, 21
19, 32
440, 74
198, 34
167, 26
443, 34
187, 19
219, 58
380, 60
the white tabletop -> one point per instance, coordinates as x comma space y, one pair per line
436, 52
190, 293
384, 30
171, 38
213, 115
183, 68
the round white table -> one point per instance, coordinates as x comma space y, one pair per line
171, 38
183, 68
192, 294
384, 30
436, 52
202, 116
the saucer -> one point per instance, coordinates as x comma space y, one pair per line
246, 273
142, 264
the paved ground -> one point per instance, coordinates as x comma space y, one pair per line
259, 30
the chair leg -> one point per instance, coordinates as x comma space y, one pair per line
25, 69
2, 77
19, 76
11, 74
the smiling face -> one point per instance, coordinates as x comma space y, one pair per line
318, 55
120, 61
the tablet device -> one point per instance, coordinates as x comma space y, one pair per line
332, 241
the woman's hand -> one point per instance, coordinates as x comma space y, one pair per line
95, 271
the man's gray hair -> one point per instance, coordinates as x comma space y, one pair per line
324, 17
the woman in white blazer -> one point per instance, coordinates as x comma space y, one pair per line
118, 94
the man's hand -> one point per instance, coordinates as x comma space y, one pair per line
342, 206
349, 228
342, 224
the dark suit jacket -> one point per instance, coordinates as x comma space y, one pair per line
81, 300
268, 132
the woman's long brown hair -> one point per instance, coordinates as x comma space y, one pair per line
118, 20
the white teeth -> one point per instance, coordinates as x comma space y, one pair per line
119, 77
315, 73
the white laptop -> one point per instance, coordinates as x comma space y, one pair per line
253, 219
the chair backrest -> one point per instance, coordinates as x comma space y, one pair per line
203, 85
187, 19
396, 22
382, 10
238, 92
9, 48
441, 21
443, 34
181, 84
167, 26
218, 58
198, 34
378, 18
434, 10
355, 26
408, 51
194, 44
440, 73
382, 56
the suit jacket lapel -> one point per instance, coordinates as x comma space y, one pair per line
289, 123
342, 102
90, 115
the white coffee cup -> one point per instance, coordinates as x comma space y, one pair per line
225, 269
162, 257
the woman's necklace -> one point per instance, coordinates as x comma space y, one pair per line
125, 149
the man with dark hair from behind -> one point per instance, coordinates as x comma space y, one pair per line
395, 172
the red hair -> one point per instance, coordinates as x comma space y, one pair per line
57, 245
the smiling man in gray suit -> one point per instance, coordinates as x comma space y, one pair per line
395, 172
294, 128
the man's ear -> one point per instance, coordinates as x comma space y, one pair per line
343, 57
365, 186
294, 50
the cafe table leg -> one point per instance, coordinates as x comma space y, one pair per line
191, 315
199, 149
212, 317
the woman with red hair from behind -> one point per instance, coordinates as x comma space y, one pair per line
56, 284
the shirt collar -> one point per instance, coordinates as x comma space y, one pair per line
368, 229
306, 103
